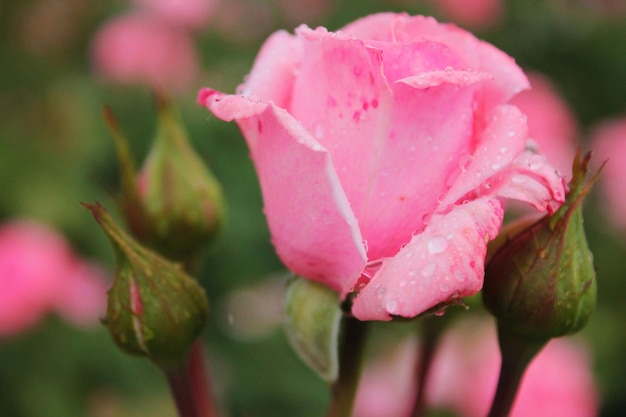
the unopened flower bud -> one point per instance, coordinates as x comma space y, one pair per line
312, 322
154, 308
174, 205
541, 283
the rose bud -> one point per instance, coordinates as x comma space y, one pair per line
175, 204
154, 309
541, 284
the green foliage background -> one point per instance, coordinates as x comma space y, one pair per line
55, 152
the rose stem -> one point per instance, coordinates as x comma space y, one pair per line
517, 353
189, 385
432, 328
350, 361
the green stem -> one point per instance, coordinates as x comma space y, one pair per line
350, 361
517, 352
432, 329
190, 387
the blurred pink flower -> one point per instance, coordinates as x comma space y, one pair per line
192, 14
145, 50
608, 142
464, 374
550, 122
383, 151
471, 13
558, 383
40, 274
387, 387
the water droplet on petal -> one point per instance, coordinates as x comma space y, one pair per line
429, 270
518, 179
465, 162
504, 149
391, 306
460, 275
403, 283
318, 130
535, 162
437, 244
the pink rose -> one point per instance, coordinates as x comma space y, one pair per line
193, 14
464, 374
608, 142
39, 274
558, 382
382, 151
145, 50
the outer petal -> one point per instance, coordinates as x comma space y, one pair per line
313, 228
274, 70
529, 179
443, 263
502, 140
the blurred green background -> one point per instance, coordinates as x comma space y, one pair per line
55, 152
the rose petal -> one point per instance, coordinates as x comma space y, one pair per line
312, 225
501, 141
443, 263
531, 179
272, 76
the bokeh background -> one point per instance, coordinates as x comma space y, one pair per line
55, 151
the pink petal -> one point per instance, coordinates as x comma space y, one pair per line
312, 225
531, 179
273, 73
442, 263
383, 138
509, 79
502, 140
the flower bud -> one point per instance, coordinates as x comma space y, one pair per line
312, 322
154, 309
541, 283
174, 205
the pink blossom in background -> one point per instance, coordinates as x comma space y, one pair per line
145, 50
608, 142
558, 383
192, 14
382, 152
464, 374
39, 274
472, 13
551, 123
387, 387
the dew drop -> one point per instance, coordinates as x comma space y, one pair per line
535, 162
465, 162
518, 179
391, 306
495, 166
459, 275
504, 149
319, 130
403, 283
440, 313
437, 244
444, 287
429, 270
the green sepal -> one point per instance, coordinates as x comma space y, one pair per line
312, 324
